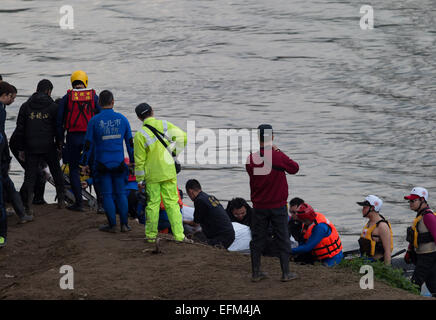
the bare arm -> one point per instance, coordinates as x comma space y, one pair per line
385, 237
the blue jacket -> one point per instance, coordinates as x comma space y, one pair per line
319, 232
63, 105
106, 132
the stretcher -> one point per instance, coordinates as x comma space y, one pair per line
91, 201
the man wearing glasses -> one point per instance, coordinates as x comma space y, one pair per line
422, 240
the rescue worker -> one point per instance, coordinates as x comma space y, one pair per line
10, 194
269, 193
376, 239
320, 237
132, 189
76, 109
41, 179
216, 227
295, 228
155, 166
36, 135
6, 93
3, 215
422, 240
106, 133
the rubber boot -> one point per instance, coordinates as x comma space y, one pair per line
284, 264
257, 275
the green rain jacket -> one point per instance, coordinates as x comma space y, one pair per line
153, 163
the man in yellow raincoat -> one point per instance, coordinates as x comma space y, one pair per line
155, 165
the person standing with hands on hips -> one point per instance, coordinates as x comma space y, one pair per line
269, 193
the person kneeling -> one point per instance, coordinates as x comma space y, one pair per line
320, 237
210, 214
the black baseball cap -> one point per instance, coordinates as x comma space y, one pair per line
142, 109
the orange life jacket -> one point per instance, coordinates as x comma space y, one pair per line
329, 246
162, 207
80, 109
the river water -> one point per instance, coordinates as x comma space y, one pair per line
355, 108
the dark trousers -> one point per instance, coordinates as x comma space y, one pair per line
39, 189
260, 221
12, 195
225, 240
40, 181
425, 271
97, 189
31, 173
132, 200
3, 216
73, 149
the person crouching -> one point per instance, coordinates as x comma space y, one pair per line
320, 237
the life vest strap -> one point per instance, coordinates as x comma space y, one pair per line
336, 244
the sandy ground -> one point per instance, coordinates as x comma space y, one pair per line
122, 266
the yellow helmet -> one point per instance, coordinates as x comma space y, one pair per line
80, 75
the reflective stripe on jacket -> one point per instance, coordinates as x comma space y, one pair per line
153, 163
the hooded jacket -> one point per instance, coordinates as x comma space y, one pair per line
36, 124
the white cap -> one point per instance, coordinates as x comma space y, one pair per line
373, 201
417, 191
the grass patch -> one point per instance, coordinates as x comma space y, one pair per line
392, 276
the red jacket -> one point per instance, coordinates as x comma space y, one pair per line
268, 184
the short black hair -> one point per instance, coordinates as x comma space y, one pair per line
44, 86
6, 88
193, 184
269, 132
236, 203
77, 82
296, 202
105, 98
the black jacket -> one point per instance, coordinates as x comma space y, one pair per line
212, 217
36, 124
5, 156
